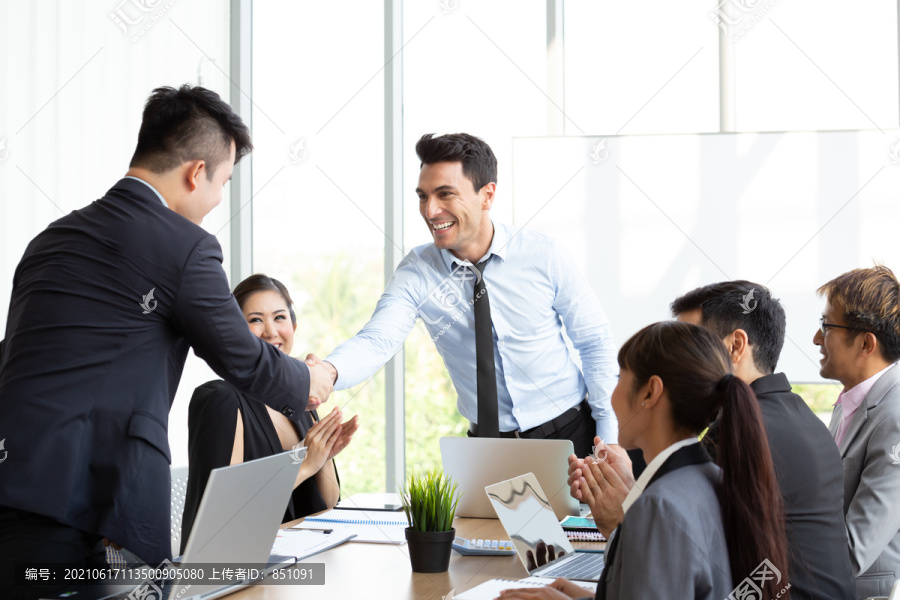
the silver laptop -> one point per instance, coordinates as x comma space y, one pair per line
237, 521
477, 462
526, 514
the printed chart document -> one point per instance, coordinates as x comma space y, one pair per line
491, 589
303, 543
368, 526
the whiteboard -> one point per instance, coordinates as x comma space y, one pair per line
650, 217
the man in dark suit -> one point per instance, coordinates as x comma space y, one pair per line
106, 303
751, 323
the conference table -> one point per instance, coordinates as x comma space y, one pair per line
375, 571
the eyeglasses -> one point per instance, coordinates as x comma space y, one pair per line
823, 326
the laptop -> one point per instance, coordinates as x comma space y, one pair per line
528, 518
477, 462
238, 518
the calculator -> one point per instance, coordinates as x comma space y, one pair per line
483, 547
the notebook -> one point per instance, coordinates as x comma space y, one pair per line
527, 516
464, 460
369, 526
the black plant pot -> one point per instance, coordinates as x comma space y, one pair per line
429, 551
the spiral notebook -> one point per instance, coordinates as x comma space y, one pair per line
369, 526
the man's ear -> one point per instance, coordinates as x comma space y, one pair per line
194, 171
869, 344
739, 346
487, 195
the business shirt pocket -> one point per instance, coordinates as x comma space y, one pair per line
149, 429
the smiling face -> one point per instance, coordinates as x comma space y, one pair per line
457, 216
269, 319
839, 349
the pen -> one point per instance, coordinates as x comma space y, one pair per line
325, 531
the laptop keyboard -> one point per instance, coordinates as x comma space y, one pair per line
586, 566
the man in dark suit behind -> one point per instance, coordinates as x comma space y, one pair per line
105, 304
751, 323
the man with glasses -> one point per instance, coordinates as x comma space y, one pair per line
859, 338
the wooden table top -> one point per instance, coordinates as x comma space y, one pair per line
374, 571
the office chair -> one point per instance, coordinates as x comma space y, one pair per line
179, 490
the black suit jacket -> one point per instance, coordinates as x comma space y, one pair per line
811, 479
90, 364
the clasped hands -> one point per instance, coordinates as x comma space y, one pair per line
322, 377
602, 481
326, 439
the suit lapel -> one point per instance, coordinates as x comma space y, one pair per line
835, 424
873, 399
694, 454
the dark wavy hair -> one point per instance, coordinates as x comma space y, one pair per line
478, 161
263, 283
695, 370
190, 123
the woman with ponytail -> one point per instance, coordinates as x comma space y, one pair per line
686, 528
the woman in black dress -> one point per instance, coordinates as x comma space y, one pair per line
225, 427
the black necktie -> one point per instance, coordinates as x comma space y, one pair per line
486, 380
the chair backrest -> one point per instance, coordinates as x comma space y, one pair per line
179, 490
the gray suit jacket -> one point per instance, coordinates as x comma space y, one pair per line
674, 528
870, 452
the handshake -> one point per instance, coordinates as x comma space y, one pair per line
322, 376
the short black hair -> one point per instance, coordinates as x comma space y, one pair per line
478, 161
190, 123
729, 305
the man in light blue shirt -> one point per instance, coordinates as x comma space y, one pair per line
535, 290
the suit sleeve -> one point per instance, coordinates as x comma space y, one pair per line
208, 316
873, 518
588, 328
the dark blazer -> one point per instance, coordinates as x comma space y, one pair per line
91, 362
810, 478
212, 421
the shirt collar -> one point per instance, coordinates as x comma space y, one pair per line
155, 191
498, 247
851, 399
644, 480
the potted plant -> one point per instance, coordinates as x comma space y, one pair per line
429, 501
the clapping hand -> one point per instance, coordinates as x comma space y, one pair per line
613, 454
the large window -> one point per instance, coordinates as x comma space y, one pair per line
318, 181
